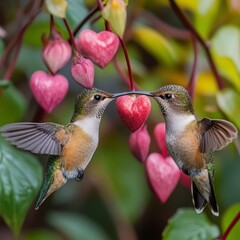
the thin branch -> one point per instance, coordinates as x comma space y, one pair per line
11, 66
70, 34
13, 43
232, 224
128, 63
89, 15
164, 27
193, 77
204, 44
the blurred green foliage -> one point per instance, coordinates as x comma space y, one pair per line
114, 200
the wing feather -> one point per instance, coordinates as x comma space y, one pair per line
216, 134
34, 137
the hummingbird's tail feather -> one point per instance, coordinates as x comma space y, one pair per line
54, 179
199, 201
203, 193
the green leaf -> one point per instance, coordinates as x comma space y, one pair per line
12, 105
205, 16
229, 101
227, 218
4, 84
75, 226
20, 179
156, 44
187, 224
40, 234
225, 45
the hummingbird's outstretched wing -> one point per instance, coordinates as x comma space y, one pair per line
35, 137
216, 134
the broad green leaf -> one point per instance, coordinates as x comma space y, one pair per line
227, 218
225, 48
4, 84
40, 234
229, 102
156, 44
20, 179
187, 224
57, 7
205, 16
76, 226
12, 105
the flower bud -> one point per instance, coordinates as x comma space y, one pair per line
139, 143
56, 53
82, 71
116, 14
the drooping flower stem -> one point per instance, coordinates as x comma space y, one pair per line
204, 44
128, 63
74, 45
193, 77
89, 15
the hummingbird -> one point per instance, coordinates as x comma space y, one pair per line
191, 142
70, 147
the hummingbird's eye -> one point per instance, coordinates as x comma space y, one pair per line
168, 96
97, 97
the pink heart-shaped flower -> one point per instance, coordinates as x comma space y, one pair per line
163, 175
160, 136
99, 47
133, 110
139, 143
82, 71
49, 90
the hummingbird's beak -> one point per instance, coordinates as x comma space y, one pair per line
131, 93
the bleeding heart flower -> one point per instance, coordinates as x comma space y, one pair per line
133, 110
82, 71
139, 143
163, 175
56, 53
49, 90
99, 47
159, 134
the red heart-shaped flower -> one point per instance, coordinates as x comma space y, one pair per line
163, 175
160, 136
82, 71
139, 143
99, 47
49, 90
133, 110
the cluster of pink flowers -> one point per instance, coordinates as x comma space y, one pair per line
161, 170
92, 48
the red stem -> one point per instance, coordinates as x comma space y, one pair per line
232, 224
128, 63
12, 44
204, 44
89, 15
11, 67
70, 34
193, 78
164, 27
